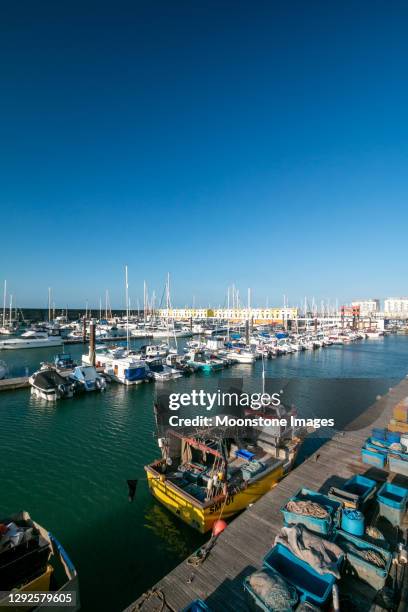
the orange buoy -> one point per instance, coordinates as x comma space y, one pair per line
218, 527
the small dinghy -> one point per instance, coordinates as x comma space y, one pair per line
50, 385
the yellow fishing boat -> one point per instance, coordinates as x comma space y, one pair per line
204, 477
32, 561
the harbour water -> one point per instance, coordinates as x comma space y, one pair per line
67, 464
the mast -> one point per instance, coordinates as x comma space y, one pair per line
11, 309
4, 303
106, 304
127, 308
49, 304
144, 303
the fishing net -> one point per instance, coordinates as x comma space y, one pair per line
307, 508
274, 591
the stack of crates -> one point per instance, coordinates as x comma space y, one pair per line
399, 422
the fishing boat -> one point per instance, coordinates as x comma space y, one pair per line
202, 477
31, 339
48, 384
33, 560
3, 370
86, 378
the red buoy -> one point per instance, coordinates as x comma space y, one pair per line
218, 527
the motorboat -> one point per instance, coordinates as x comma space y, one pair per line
199, 361
155, 350
241, 355
178, 362
86, 378
129, 370
64, 361
32, 559
161, 371
6, 331
48, 384
31, 339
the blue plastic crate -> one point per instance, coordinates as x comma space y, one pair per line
398, 464
312, 586
392, 500
366, 571
379, 433
318, 525
362, 486
244, 454
372, 458
255, 602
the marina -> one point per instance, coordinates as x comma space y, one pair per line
81, 442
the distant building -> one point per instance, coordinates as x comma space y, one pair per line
272, 315
396, 306
367, 307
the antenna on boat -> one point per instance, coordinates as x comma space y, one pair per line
4, 303
127, 308
263, 373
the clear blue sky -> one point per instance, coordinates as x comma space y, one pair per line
263, 143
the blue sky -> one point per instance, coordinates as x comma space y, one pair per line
262, 143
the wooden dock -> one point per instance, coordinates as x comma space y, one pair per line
240, 549
11, 384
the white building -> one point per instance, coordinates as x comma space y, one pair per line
367, 307
396, 306
278, 315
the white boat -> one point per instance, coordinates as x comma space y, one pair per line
6, 331
241, 356
129, 370
86, 378
48, 384
31, 339
3, 370
373, 333
162, 371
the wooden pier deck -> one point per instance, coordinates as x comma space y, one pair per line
11, 384
240, 549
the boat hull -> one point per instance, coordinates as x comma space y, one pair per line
203, 516
25, 344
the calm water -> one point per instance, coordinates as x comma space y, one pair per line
67, 464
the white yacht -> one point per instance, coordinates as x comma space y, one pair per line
31, 339
241, 356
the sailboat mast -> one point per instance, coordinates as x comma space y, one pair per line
127, 308
144, 303
4, 303
49, 304
11, 308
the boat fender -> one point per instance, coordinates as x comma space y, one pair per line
98, 383
218, 527
61, 389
